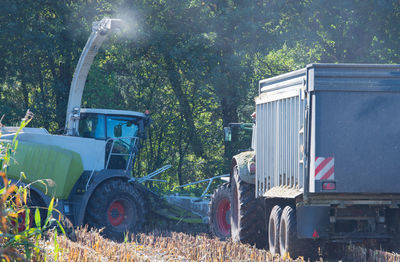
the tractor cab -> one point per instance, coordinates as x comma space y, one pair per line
120, 129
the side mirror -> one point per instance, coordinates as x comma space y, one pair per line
228, 134
118, 131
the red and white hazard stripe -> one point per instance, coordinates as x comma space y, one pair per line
324, 168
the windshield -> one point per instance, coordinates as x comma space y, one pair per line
121, 126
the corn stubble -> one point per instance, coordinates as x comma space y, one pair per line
90, 246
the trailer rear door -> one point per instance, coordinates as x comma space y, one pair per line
355, 128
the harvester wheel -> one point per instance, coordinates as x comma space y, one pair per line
247, 213
219, 212
33, 202
274, 229
36, 202
117, 207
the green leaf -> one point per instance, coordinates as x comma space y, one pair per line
27, 218
56, 247
61, 227
37, 218
49, 212
50, 209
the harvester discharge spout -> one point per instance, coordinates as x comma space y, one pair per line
100, 30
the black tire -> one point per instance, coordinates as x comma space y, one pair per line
34, 201
273, 229
219, 212
247, 213
288, 242
117, 207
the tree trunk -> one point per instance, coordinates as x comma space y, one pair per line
185, 109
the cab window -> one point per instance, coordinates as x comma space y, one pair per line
92, 126
118, 126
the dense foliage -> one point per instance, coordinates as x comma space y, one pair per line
195, 64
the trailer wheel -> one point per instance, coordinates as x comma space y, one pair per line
273, 229
117, 207
247, 213
289, 244
219, 212
288, 241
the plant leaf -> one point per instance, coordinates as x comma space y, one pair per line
37, 218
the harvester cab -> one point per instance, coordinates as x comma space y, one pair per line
121, 130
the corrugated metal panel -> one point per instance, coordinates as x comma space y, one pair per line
279, 138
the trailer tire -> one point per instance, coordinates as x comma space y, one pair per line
246, 224
219, 212
289, 244
273, 229
288, 241
117, 207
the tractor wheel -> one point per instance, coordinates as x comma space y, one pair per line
247, 213
117, 207
219, 212
273, 229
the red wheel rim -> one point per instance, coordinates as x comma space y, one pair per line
21, 221
222, 216
116, 213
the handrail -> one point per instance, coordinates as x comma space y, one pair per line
210, 180
153, 174
131, 150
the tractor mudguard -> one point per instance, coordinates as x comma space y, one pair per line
243, 161
98, 178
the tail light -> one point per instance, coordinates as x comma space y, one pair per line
315, 235
252, 168
328, 186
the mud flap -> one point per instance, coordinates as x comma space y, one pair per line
312, 221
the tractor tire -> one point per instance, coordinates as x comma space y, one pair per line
117, 207
273, 229
219, 212
247, 213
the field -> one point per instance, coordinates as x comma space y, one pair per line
90, 246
